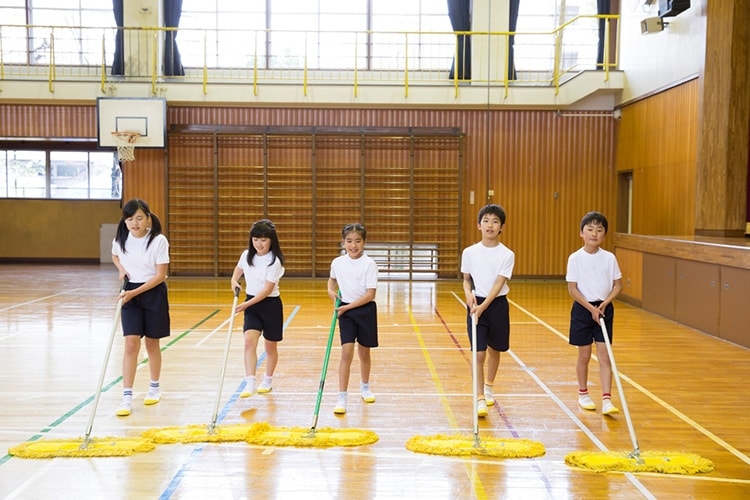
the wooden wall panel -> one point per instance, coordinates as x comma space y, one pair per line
545, 169
657, 142
49, 120
631, 265
339, 163
241, 196
192, 206
146, 178
722, 164
290, 198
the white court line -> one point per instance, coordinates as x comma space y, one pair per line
692, 423
29, 481
212, 332
635, 481
23, 304
40, 299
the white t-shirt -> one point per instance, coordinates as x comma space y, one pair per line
354, 276
485, 264
594, 273
140, 262
260, 272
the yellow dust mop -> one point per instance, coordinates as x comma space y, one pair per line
211, 433
88, 446
265, 435
635, 460
458, 445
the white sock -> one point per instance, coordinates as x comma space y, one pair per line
127, 394
153, 387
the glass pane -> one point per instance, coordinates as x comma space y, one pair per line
26, 174
14, 44
13, 16
396, 7
55, 17
343, 22
3, 175
337, 6
105, 176
293, 7
199, 5
61, 4
244, 6
69, 174
256, 21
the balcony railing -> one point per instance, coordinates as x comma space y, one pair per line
355, 58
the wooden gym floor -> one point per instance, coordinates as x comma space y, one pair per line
686, 391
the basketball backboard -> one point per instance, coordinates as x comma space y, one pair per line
147, 116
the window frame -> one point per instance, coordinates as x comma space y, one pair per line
49, 149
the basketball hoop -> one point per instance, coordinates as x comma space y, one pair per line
125, 142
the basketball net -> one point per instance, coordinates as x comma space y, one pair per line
125, 142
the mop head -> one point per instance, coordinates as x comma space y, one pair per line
198, 433
666, 463
458, 445
94, 447
263, 434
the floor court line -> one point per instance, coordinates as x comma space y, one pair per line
692, 423
564, 408
174, 483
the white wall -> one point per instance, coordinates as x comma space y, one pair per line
657, 60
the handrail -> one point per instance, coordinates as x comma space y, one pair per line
18, 60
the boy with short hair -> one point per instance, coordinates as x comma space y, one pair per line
594, 280
487, 266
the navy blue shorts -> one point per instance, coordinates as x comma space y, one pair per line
147, 314
493, 326
266, 316
360, 324
584, 330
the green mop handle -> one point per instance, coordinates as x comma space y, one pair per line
325, 363
105, 362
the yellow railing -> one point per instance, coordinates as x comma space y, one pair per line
60, 53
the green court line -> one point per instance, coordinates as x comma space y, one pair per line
105, 388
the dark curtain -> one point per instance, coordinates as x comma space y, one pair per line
602, 7
512, 23
459, 12
172, 61
118, 63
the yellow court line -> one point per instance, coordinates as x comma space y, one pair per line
716, 439
476, 482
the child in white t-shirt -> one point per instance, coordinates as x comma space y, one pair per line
262, 265
594, 280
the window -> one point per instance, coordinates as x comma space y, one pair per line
60, 175
65, 24
229, 32
316, 34
535, 53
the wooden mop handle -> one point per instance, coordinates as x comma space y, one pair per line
475, 401
116, 320
215, 414
636, 451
